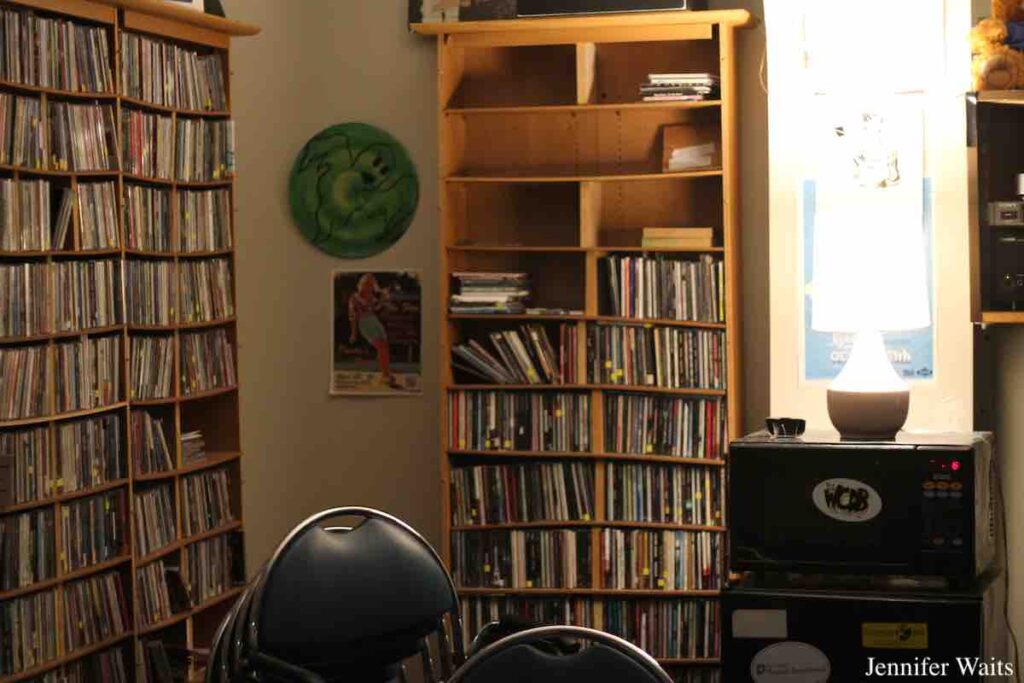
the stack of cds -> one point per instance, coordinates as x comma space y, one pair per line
680, 87
489, 292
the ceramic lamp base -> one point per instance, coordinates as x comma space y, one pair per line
867, 414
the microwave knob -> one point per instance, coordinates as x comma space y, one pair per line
938, 541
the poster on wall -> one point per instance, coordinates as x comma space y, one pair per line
868, 198
376, 334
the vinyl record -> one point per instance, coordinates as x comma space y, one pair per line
354, 190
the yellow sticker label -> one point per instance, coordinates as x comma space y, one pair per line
508, 443
649, 448
647, 571
698, 495
894, 635
608, 365
529, 584
661, 583
487, 568
462, 443
558, 413
586, 517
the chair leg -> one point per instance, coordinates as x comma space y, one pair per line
428, 663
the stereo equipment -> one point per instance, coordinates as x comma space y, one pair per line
538, 8
1006, 214
917, 506
773, 633
1008, 268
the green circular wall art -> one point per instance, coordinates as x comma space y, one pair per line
354, 190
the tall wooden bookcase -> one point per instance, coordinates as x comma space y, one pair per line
549, 162
214, 412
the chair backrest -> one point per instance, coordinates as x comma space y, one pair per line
357, 599
516, 659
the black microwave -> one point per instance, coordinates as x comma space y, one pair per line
921, 505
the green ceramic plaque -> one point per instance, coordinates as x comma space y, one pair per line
354, 190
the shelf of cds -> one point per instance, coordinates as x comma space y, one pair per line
121, 529
590, 250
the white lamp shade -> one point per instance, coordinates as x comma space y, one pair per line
869, 266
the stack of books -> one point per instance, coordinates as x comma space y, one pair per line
490, 292
193, 447
534, 558
524, 356
680, 87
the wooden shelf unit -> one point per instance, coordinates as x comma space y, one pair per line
214, 412
548, 162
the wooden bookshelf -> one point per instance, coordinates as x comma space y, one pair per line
215, 412
548, 163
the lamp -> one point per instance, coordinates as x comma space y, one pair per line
869, 278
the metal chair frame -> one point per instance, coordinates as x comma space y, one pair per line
252, 658
542, 632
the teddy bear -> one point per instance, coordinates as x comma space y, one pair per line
996, 44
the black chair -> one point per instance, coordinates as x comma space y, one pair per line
528, 657
346, 604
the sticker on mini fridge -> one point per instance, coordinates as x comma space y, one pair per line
790, 662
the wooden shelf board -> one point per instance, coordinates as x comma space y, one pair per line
112, 174
40, 90
611, 524
192, 611
581, 108
145, 253
204, 254
63, 497
585, 592
1002, 317
575, 177
59, 417
4, 341
621, 388
180, 543
554, 249
204, 184
75, 655
112, 563
134, 103
585, 318
210, 461
204, 324
60, 579
202, 20
736, 17
207, 394
169, 327
564, 455
168, 400
148, 180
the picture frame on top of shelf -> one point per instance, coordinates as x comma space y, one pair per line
376, 333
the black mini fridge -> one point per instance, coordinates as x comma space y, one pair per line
773, 631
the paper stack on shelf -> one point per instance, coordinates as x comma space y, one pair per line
490, 292
692, 157
680, 87
677, 238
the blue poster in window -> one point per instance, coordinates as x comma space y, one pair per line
825, 353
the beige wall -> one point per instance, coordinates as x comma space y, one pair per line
320, 62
